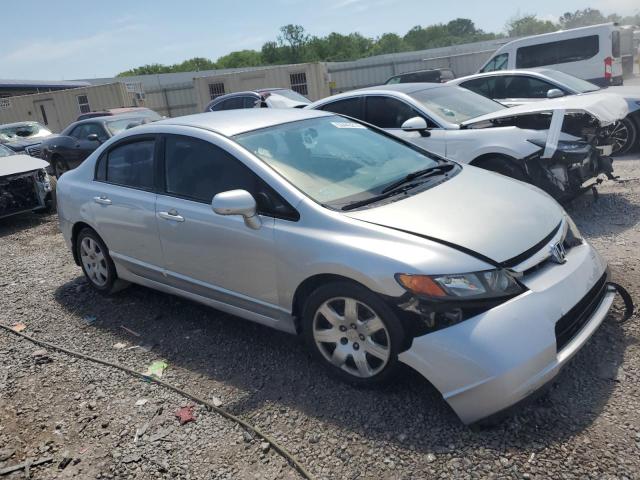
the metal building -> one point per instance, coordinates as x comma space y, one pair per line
58, 109
308, 79
12, 88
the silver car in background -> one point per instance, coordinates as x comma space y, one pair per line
375, 251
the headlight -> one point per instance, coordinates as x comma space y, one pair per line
563, 145
464, 286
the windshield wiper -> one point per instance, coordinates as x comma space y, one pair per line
376, 198
419, 173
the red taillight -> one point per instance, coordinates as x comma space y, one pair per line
608, 68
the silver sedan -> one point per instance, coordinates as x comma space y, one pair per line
377, 252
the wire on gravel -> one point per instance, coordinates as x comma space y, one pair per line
282, 451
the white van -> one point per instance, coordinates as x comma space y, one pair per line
591, 53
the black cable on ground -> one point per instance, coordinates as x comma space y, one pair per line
283, 452
626, 298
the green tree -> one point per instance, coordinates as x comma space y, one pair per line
582, 18
149, 69
389, 43
242, 58
292, 40
528, 25
461, 27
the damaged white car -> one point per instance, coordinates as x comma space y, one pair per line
551, 144
25, 185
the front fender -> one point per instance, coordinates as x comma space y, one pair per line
467, 145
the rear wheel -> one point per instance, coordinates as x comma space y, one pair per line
623, 135
353, 333
97, 265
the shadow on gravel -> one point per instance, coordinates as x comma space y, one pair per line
273, 368
17, 223
610, 215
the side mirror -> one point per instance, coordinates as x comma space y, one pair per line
237, 202
93, 138
416, 124
555, 93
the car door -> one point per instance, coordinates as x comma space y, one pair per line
390, 113
211, 255
522, 89
83, 147
124, 205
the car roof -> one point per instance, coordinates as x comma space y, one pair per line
108, 118
401, 87
234, 122
531, 71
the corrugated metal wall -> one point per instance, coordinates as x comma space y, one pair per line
462, 59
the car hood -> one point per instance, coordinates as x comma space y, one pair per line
14, 164
607, 108
629, 92
478, 210
22, 143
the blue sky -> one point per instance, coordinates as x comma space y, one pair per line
97, 39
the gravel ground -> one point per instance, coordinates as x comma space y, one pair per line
53, 405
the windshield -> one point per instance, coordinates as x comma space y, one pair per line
455, 104
577, 84
116, 126
23, 130
333, 160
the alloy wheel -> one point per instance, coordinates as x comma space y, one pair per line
351, 336
620, 136
94, 261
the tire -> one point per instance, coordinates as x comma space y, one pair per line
624, 135
60, 166
96, 263
51, 202
504, 166
368, 338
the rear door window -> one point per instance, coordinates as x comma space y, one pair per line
519, 86
561, 51
131, 164
351, 107
615, 44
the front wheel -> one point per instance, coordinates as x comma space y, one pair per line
353, 333
623, 135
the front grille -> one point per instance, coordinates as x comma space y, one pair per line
18, 193
34, 150
571, 323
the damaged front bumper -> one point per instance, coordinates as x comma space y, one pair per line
25, 192
491, 361
573, 168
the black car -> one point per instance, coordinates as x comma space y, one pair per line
76, 142
432, 75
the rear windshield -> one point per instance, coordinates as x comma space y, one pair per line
572, 82
455, 104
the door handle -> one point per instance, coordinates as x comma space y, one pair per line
102, 200
171, 215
